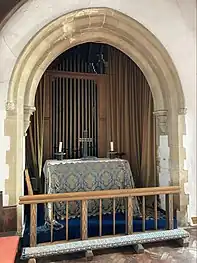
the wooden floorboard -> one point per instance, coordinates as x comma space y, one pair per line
168, 252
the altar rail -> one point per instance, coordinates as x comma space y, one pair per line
129, 194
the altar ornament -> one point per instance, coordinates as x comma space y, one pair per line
60, 147
85, 140
60, 155
111, 146
112, 154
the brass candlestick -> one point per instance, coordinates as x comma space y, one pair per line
112, 154
60, 155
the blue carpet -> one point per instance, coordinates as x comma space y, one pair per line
44, 234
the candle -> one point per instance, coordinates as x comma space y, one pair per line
60, 147
111, 146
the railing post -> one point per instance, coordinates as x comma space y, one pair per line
100, 217
66, 220
114, 216
169, 211
130, 215
155, 211
143, 213
33, 224
52, 216
84, 220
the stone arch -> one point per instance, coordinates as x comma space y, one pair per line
96, 25
99, 25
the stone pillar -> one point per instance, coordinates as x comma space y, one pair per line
161, 136
14, 130
177, 158
183, 173
16, 124
162, 158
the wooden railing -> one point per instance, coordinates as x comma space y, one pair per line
128, 194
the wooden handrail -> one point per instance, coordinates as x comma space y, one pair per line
48, 198
33, 200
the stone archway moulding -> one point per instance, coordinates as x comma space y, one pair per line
95, 25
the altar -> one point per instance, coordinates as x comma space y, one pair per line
79, 175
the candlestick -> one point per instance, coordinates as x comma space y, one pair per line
111, 146
60, 147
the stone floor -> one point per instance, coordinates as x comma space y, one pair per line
167, 252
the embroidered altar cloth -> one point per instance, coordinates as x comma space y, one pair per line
78, 175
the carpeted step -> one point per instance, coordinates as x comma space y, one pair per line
8, 248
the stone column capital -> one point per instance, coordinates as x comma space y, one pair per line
162, 121
182, 111
10, 107
28, 111
160, 112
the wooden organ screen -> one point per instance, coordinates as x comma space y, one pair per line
75, 101
74, 109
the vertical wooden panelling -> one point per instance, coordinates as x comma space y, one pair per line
85, 104
47, 151
63, 110
92, 117
82, 105
74, 123
71, 108
75, 109
96, 118
66, 138
53, 117
56, 106
102, 118
78, 115
70, 114
60, 105
50, 91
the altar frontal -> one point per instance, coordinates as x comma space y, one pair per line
88, 175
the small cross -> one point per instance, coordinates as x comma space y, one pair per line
85, 140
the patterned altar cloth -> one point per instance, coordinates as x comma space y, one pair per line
78, 175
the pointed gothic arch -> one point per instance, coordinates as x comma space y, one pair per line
113, 28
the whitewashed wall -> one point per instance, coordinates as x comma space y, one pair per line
171, 21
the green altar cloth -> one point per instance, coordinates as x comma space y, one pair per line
78, 175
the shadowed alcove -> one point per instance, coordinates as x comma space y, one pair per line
94, 87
